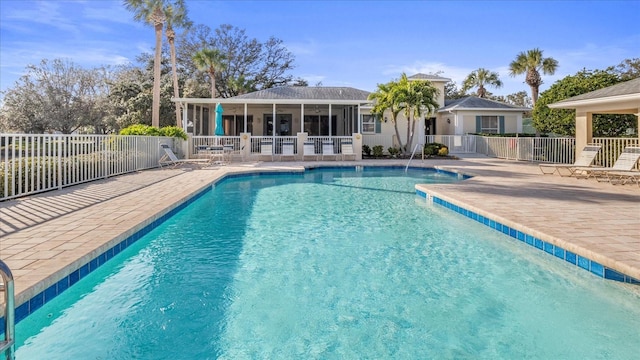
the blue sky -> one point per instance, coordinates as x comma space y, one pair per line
343, 43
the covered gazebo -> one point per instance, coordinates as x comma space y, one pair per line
622, 98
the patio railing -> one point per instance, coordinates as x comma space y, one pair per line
559, 150
31, 164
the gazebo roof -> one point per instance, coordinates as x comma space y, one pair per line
622, 92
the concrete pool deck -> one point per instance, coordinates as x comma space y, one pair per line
45, 237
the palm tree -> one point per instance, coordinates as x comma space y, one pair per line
384, 99
209, 60
479, 78
531, 62
176, 16
418, 96
413, 97
151, 12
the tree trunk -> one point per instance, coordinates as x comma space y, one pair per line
395, 127
534, 98
155, 109
213, 84
404, 150
176, 90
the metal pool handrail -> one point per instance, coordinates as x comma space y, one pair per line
7, 345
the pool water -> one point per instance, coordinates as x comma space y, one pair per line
332, 264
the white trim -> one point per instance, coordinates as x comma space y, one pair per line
484, 109
594, 101
270, 101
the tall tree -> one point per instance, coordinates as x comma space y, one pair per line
419, 97
152, 13
176, 17
249, 64
479, 78
384, 98
531, 63
562, 121
210, 61
413, 97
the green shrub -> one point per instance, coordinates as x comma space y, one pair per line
433, 149
146, 130
393, 151
141, 129
377, 151
174, 131
443, 151
366, 150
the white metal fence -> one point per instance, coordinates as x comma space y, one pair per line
35, 163
559, 150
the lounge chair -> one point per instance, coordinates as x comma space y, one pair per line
288, 150
266, 148
623, 177
586, 157
347, 149
170, 158
309, 149
327, 149
624, 164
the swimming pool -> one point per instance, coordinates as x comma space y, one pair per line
331, 264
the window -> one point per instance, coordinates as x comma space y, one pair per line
368, 124
489, 125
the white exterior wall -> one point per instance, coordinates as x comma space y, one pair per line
464, 122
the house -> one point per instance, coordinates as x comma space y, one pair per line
344, 111
477, 115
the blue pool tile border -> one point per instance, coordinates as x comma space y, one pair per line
48, 294
554, 250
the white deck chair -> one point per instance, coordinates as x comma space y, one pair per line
309, 149
586, 157
624, 164
217, 154
266, 148
170, 158
287, 150
327, 149
347, 149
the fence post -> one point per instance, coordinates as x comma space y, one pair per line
59, 155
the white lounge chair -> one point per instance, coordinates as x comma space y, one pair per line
309, 149
586, 157
266, 148
347, 149
624, 164
170, 158
288, 150
327, 149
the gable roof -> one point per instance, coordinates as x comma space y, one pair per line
307, 93
625, 90
435, 78
476, 103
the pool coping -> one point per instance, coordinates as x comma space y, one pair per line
577, 256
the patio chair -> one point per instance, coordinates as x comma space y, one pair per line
586, 157
266, 148
309, 149
170, 158
327, 149
624, 164
347, 149
623, 177
288, 150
